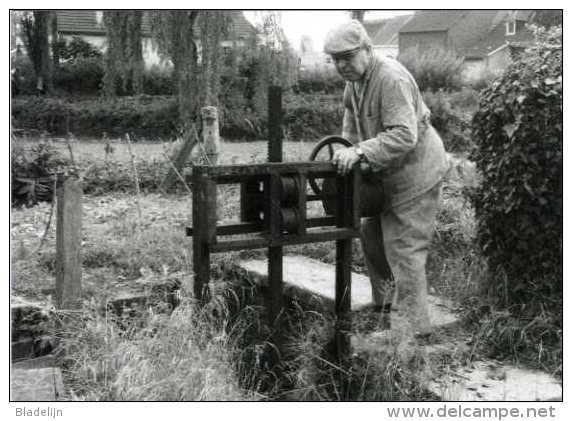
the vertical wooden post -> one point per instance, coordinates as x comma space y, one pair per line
301, 180
68, 244
204, 223
275, 124
211, 137
275, 261
343, 270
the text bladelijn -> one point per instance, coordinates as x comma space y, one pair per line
39, 412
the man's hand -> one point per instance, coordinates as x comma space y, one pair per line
344, 160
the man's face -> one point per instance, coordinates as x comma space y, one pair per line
352, 66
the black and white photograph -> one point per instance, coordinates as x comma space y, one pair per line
287, 205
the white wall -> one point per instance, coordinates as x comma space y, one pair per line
150, 55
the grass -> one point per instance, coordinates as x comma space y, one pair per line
225, 351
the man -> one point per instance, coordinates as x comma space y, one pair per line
388, 122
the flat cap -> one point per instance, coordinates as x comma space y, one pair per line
346, 37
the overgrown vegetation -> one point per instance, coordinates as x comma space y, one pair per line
433, 68
518, 132
33, 173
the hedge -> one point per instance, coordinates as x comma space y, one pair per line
518, 132
151, 117
143, 116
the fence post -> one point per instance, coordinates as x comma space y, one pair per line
211, 136
68, 244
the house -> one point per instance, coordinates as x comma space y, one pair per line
384, 34
485, 38
88, 25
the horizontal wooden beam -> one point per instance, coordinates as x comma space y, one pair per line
267, 168
264, 240
251, 227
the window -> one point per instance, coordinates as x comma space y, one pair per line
511, 27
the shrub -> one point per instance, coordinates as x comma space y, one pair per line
23, 77
433, 69
312, 117
118, 176
142, 116
81, 76
453, 124
32, 173
317, 80
518, 131
158, 81
77, 48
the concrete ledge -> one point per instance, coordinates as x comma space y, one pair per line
314, 281
36, 384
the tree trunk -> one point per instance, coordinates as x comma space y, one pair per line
35, 28
55, 39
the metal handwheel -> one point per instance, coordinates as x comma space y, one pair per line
371, 189
327, 142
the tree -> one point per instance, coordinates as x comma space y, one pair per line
124, 55
35, 30
548, 18
190, 40
55, 40
268, 60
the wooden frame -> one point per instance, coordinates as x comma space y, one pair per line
268, 231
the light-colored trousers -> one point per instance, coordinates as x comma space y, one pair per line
395, 246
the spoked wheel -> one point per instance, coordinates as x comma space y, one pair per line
324, 151
371, 188
326, 188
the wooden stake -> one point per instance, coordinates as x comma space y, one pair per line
211, 137
68, 245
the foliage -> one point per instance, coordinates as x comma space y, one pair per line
158, 81
80, 76
143, 116
124, 54
116, 176
266, 63
32, 173
196, 83
35, 30
434, 68
548, 18
325, 80
453, 124
518, 131
77, 48
312, 117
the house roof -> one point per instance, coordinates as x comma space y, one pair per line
432, 20
79, 22
242, 27
84, 22
475, 33
495, 39
386, 31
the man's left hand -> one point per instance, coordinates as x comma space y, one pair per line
344, 160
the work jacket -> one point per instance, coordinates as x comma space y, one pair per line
404, 151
